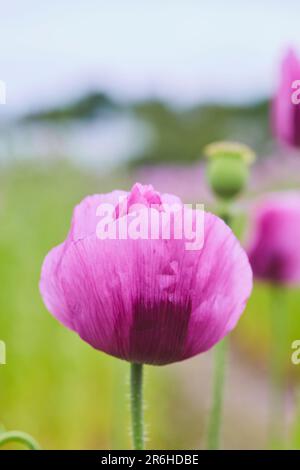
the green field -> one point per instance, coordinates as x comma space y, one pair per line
54, 385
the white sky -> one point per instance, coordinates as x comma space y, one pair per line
222, 50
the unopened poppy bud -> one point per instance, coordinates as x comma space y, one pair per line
228, 167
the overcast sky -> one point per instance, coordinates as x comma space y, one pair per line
183, 50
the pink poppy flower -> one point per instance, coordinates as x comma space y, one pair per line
274, 249
286, 105
146, 300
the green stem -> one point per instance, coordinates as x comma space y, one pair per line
218, 392
278, 351
136, 398
214, 427
21, 437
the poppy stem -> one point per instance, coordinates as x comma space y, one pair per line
136, 398
214, 427
218, 392
21, 437
278, 338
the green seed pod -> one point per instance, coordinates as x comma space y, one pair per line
228, 168
227, 176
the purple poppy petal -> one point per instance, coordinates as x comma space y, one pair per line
149, 300
274, 246
285, 113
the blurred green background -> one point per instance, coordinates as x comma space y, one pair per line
70, 396
52, 154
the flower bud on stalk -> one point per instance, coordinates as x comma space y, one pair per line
228, 168
227, 175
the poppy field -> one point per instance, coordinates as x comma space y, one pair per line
150, 267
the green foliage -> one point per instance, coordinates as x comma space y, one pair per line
178, 134
181, 134
87, 107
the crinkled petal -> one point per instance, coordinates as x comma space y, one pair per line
152, 301
85, 218
52, 286
222, 286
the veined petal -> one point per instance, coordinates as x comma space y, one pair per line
149, 300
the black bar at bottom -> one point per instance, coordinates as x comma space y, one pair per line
134, 459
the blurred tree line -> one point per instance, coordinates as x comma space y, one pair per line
177, 134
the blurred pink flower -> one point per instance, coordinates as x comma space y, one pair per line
285, 113
274, 250
146, 301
